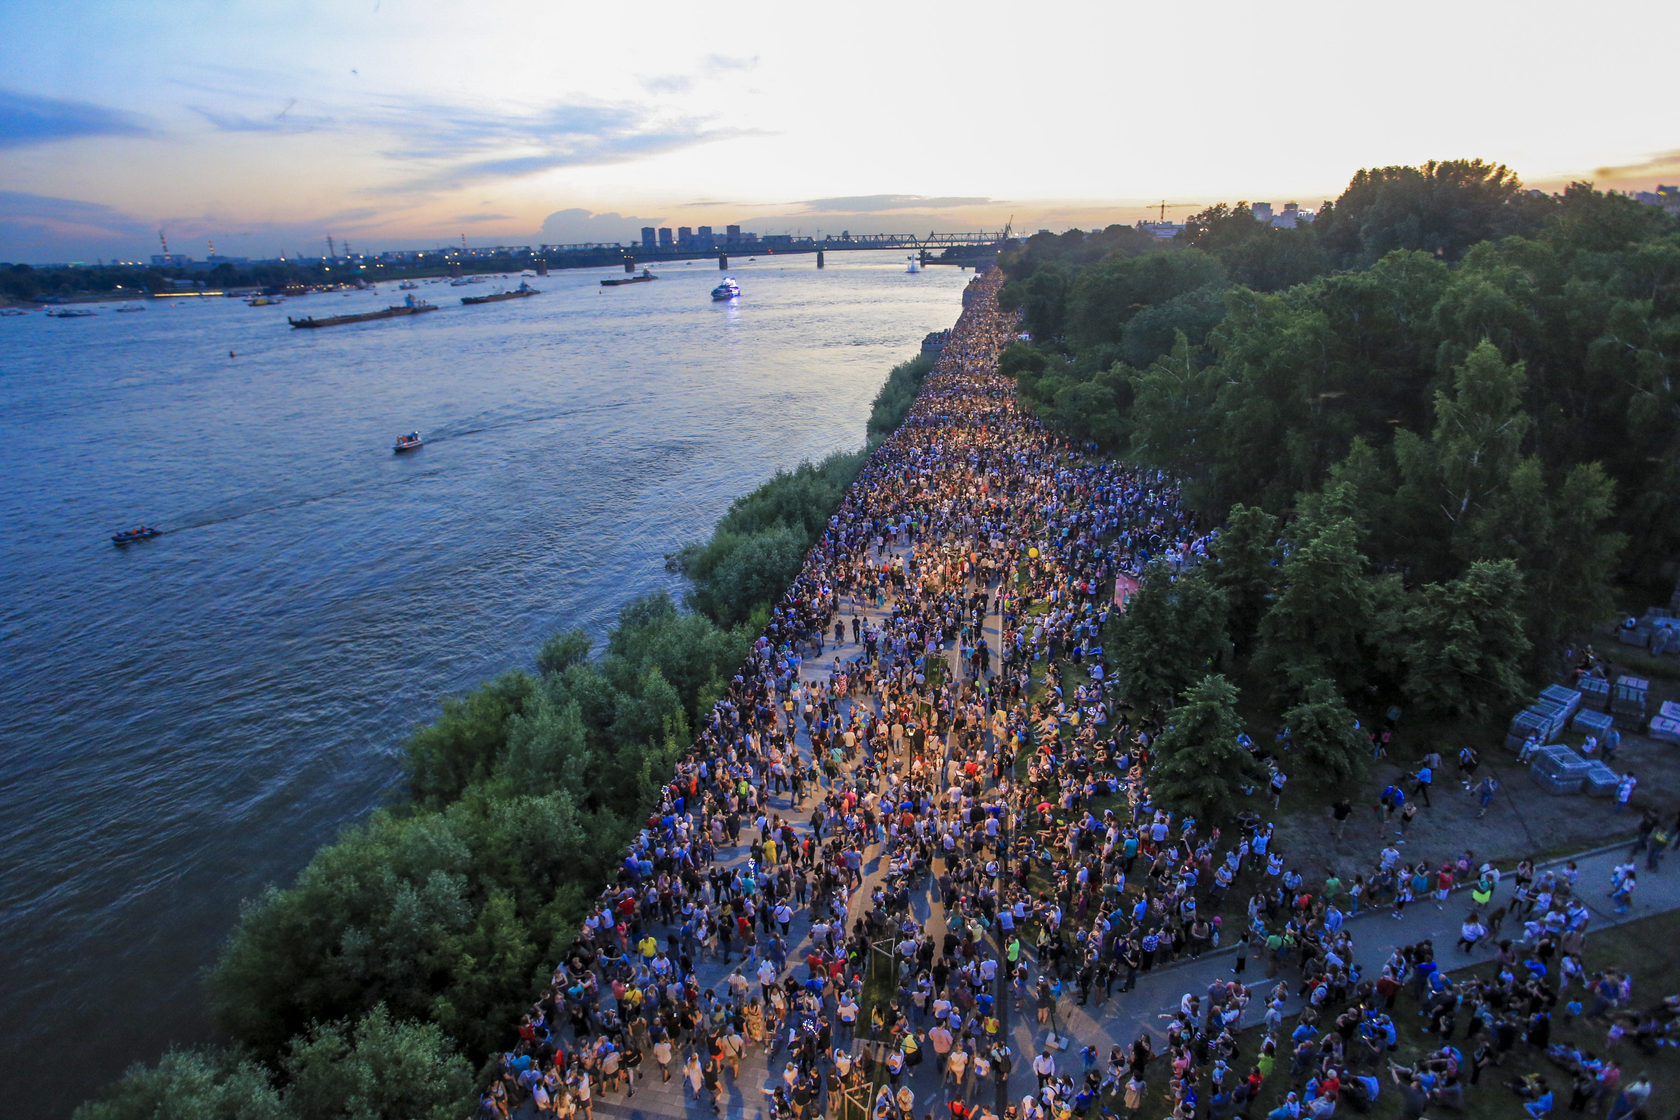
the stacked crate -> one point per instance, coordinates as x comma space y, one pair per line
1593, 723
1595, 693
1557, 769
1568, 698
1600, 779
1526, 721
1630, 697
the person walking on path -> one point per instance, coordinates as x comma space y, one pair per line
1425, 778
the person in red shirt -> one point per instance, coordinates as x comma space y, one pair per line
1443, 885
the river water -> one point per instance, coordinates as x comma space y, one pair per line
185, 719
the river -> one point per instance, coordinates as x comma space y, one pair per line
188, 717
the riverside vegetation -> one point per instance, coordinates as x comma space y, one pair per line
384, 977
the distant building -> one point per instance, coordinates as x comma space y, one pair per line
1262, 212
665, 237
648, 237
685, 237
703, 238
170, 260
1161, 231
732, 234
1665, 198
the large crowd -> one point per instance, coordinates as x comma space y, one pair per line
878, 748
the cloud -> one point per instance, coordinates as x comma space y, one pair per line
482, 218
1660, 164
577, 226
26, 120
722, 63
873, 203
283, 121
464, 146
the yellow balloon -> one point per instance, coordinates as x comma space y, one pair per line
1033, 552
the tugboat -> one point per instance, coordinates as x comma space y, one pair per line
138, 533
520, 292
407, 443
726, 290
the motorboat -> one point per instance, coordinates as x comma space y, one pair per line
915, 264
408, 443
129, 309
728, 289
71, 313
138, 533
407, 286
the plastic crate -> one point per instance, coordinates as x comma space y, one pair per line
1630, 696
1595, 692
1593, 723
1600, 780
1568, 697
1557, 760
1532, 720
1568, 783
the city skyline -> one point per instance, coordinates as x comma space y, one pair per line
400, 127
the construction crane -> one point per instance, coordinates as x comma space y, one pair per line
332, 250
1165, 206
165, 242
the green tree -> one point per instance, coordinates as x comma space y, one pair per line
1198, 766
1329, 747
1245, 566
1326, 615
378, 1068
1173, 631
203, 1084
1465, 642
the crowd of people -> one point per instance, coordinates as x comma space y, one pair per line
960, 748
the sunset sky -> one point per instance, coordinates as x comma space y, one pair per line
396, 123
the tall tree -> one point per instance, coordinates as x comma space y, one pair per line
1199, 768
1466, 642
1329, 747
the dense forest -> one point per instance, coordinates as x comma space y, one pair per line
1439, 424
381, 982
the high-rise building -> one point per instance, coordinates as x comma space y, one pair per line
684, 236
732, 234
703, 237
664, 237
647, 237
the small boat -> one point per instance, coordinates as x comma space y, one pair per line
139, 533
12, 312
520, 292
263, 301
129, 309
726, 290
410, 306
915, 264
71, 313
407, 286
408, 442
616, 281
465, 280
